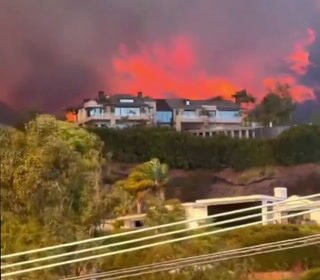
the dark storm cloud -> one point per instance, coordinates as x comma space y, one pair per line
53, 53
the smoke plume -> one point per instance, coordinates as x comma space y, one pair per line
54, 53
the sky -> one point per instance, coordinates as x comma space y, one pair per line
55, 53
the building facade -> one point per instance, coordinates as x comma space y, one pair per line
200, 117
117, 111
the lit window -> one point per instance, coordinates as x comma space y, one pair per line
126, 100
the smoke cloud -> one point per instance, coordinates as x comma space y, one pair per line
54, 53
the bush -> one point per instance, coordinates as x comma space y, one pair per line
185, 151
281, 260
313, 274
298, 145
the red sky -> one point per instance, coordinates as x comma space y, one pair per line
174, 67
55, 53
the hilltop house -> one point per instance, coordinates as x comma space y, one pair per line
200, 117
116, 111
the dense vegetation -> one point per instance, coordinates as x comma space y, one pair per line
51, 193
181, 150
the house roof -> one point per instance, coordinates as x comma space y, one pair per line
138, 101
162, 105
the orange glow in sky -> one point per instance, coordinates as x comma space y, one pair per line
299, 58
173, 69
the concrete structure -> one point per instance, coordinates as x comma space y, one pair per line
232, 131
294, 205
125, 222
207, 207
203, 208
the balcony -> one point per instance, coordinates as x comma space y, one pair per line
228, 120
192, 118
140, 117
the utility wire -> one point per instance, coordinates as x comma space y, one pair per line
141, 239
264, 246
33, 251
149, 245
210, 261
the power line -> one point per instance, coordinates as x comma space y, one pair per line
48, 248
211, 261
142, 239
148, 245
233, 252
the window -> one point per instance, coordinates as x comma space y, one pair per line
127, 112
95, 112
212, 114
126, 100
189, 114
138, 224
229, 116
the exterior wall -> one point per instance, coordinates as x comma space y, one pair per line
315, 216
228, 130
270, 132
195, 212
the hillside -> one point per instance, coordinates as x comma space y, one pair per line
198, 184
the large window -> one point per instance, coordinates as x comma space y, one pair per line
190, 114
95, 112
229, 116
164, 117
126, 112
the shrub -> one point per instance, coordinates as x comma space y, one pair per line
185, 151
281, 260
313, 274
298, 145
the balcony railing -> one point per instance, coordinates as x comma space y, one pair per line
210, 119
109, 116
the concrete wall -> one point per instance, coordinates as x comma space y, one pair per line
269, 132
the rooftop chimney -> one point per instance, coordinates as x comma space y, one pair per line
140, 94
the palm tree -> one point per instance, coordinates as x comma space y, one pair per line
152, 174
145, 177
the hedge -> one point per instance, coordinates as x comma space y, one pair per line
183, 150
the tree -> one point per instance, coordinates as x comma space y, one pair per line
276, 107
149, 176
163, 212
50, 184
243, 96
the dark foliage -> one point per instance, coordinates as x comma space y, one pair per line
182, 150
